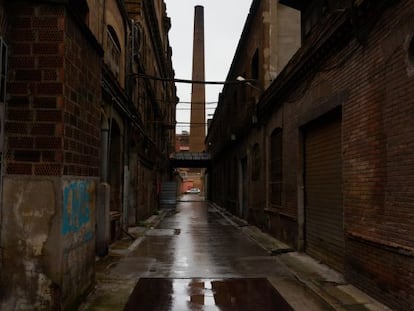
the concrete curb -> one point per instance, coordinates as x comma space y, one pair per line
151, 222
113, 269
325, 283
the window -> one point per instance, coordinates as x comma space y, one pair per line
276, 168
256, 161
113, 56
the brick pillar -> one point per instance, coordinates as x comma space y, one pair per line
197, 128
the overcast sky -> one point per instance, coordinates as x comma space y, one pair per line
223, 24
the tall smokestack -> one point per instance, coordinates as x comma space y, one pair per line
198, 114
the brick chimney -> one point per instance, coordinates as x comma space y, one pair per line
197, 127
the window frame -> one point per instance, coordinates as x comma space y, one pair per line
114, 51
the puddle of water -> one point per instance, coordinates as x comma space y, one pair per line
252, 294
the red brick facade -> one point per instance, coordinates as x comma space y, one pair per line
378, 148
361, 68
53, 114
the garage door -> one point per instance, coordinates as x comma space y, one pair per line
323, 189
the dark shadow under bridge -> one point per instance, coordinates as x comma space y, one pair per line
190, 159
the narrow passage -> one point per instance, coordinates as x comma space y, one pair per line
197, 260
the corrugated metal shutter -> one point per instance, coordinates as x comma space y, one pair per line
323, 186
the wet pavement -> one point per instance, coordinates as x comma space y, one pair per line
197, 257
206, 294
195, 241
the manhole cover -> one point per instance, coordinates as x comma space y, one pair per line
255, 294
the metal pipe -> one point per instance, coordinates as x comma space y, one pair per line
104, 145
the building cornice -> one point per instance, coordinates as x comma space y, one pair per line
332, 35
328, 37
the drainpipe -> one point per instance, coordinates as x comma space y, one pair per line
125, 187
104, 146
103, 194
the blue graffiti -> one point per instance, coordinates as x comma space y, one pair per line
88, 236
76, 209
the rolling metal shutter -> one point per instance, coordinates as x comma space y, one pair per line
323, 187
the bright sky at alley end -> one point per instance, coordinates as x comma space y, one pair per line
223, 24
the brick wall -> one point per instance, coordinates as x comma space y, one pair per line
378, 148
382, 273
372, 82
53, 117
82, 105
376, 93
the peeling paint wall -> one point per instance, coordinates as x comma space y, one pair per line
77, 231
49, 251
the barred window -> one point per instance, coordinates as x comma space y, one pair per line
276, 168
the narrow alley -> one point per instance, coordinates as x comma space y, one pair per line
196, 257
156, 156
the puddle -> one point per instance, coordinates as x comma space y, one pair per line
251, 294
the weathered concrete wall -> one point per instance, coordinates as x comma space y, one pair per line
77, 237
49, 251
26, 234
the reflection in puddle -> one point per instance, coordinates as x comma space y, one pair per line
206, 294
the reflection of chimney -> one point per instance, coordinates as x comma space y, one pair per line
197, 126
